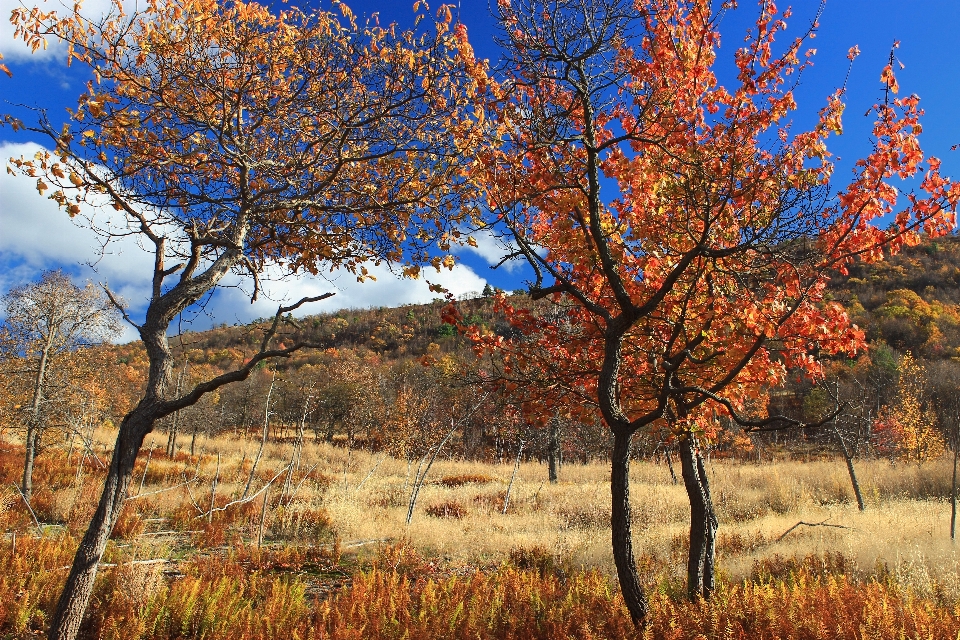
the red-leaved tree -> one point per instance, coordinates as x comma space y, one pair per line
684, 229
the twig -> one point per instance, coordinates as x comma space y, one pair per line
29, 508
300, 484
263, 438
213, 490
263, 518
812, 524
372, 471
146, 466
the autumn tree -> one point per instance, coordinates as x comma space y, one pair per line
44, 321
685, 229
231, 139
907, 428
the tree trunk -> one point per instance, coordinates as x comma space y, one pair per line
175, 427
703, 521
79, 586
29, 455
853, 477
953, 483
554, 455
33, 427
633, 594
513, 477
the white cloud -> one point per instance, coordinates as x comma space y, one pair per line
35, 235
493, 249
14, 49
232, 303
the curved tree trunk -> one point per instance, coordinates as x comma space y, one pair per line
633, 594
79, 586
703, 521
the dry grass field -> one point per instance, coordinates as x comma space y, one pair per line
336, 558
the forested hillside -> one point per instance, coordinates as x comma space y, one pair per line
391, 378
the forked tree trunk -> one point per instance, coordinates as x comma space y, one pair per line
633, 594
79, 586
703, 521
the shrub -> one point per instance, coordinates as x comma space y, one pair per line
465, 478
447, 509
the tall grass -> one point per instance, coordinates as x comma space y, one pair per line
465, 569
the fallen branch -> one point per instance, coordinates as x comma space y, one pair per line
168, 533
185, 483
812, 524
247, 499
361, 543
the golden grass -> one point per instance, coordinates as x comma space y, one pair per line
357, 501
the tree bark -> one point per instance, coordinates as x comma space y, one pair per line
703, 521
79, 586
633, 594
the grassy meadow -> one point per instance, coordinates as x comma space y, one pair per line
325, 552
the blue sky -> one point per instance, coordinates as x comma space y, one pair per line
35, 235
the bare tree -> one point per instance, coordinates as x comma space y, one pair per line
44, 320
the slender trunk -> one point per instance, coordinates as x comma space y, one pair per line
554, 457
175, 427
703, 521
513, 476
953, 484
213, 491
633, 594
193, 438
673, 474
28, 457
853, 477
146, 467
263, 437
418, 479
79, 585
33, 427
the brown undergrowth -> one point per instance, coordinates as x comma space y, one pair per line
331, 565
